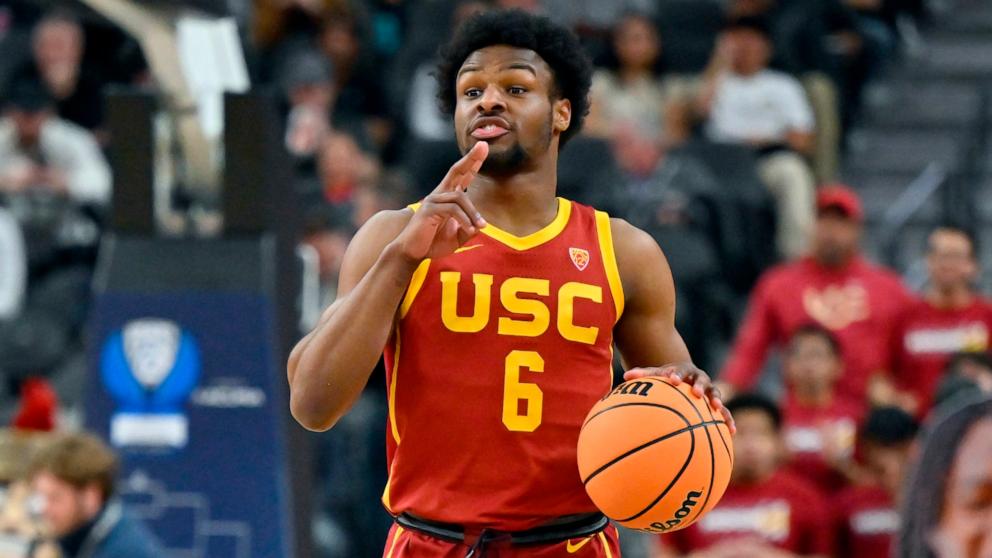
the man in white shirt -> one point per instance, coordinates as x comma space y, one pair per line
39, 151
747, 103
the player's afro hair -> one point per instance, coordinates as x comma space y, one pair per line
559, 47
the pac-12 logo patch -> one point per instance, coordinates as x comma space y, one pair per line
579, 257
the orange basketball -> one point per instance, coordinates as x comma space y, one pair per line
653, 456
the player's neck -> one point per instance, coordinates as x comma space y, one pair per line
521, 203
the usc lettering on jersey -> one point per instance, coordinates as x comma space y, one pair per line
500, 351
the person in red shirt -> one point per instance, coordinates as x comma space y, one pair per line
766, 512
819, 427
949, 318
867, 516
834, 286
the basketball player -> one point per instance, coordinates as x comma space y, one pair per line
498, 305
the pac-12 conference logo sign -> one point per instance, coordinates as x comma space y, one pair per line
150, 367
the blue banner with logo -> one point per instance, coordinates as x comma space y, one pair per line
187, 387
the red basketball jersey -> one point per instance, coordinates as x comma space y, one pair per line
500, 351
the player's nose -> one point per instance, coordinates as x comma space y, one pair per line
491, 101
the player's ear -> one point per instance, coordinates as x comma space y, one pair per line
562, 111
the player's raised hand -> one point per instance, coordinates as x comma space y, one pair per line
700, 381
446, 218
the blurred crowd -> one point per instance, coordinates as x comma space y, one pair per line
718, 126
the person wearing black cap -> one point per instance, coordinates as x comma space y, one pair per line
40, 151
867, 517
746, 102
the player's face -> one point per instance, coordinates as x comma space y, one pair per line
504, 97
950, 259
64, 507
811, 365
835, 238
757, 446
966, 518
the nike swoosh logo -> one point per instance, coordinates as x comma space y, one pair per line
573, 548
467, 248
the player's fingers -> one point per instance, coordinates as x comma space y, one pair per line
459, 198
634, 373
451, 211
731, 424
469, 164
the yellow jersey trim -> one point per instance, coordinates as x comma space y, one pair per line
416, 282
392, 388
533, 240
606, 545
414, 206
610, 260
396, 538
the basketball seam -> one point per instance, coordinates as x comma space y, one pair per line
712, 456
636, 404
723, 440
692, 450
689, 427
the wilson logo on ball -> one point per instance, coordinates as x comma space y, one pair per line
632, 388
690, 502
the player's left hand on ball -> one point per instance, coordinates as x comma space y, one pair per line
702, 385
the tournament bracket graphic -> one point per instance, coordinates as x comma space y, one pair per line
188, 385
150, 367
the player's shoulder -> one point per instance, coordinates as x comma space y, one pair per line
629, 239
381, 229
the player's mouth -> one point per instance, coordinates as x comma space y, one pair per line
490, 128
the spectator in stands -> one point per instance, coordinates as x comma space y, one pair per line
834, 286
74, 476
57, 47
360, 106
950, 318
289, 23
40, 151
819, 427
628, 99
947, 511
343, 169
21, 533
327, 230
14, 263
766, 511
425, 119
37, 407
866, 514
745, 102
307, 81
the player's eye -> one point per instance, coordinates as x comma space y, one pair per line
517, 90
473, 92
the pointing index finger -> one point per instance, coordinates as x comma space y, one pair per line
465, 169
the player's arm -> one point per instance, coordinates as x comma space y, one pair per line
328, 368
646, 336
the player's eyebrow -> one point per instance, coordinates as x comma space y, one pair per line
523, 66
512, 66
